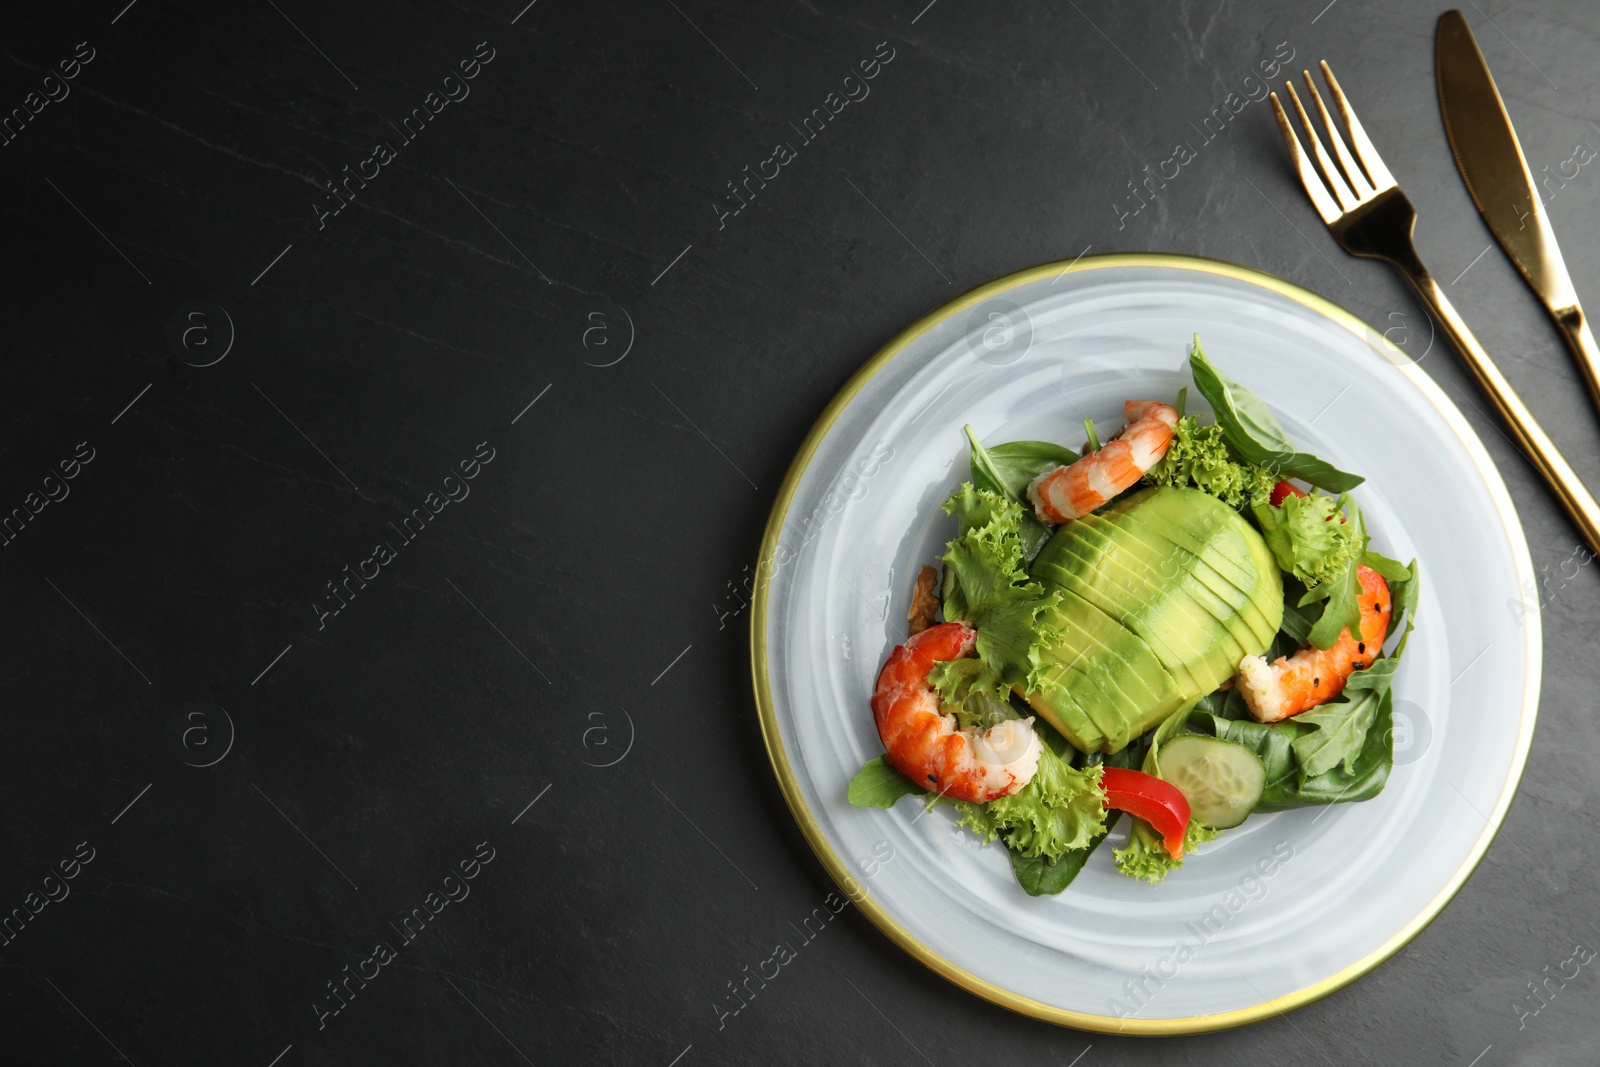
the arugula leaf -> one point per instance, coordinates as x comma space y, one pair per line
1365, 778
1273, 744
1343, 608
1340, 731
988, 587
878, 785
1255, 433
1041, 877
1006, 470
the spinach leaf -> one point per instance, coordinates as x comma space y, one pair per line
878, 785
1038, 877
1225, 704
1273, 744
1007, 469
1255, 433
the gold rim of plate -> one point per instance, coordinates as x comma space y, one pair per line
879, 915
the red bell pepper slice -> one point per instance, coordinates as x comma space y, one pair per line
1157, 802
1284, 489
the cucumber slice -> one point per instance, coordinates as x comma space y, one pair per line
1221, 780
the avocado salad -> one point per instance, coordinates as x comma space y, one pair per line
1167, 627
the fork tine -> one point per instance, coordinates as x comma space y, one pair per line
1365, 151
1358, 180
1330, 172
1308, 176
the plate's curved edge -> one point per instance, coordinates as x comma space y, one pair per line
880, 917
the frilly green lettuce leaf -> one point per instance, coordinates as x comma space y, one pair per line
1146, 857
987, 586
1061, 810
1308, 538
1199, 458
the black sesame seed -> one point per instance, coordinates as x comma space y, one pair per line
1316, 682
1361, 646
932, 779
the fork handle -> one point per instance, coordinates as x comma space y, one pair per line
1534, 443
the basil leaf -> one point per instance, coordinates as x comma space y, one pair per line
1038, 877
1254, 432
878, 785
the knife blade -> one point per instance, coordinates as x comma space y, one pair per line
1491, 162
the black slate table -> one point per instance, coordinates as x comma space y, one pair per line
395, 395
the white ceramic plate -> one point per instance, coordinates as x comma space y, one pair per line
1280, 911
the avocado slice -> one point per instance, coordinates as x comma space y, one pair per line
1223, 544
1162, 594
1120, 669
1167, 614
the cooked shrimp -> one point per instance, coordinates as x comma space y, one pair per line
924, 743
1077, 489
1312, 676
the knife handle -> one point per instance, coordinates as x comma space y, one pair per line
1526, 432
1574, 326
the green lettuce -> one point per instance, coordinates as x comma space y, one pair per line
1309, 537
988, 587
1199, 457
1146, 857
1060, 811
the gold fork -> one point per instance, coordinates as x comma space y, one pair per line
1369, 216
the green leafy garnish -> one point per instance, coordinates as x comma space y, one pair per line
988, 587
1255, 433
1041, 877
878, 785
1309, 536
1146, 857
1060, 810
1006, 470
1199, 457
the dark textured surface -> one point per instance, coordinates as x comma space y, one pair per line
524, 637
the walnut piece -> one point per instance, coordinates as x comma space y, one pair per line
924, 604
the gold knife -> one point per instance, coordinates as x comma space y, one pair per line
1496, 172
